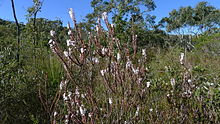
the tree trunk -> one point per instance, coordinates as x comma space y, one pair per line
18, 30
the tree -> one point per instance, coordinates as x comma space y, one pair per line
32, 12
121, 11
188, 21
18, 29
128, 16
206, 16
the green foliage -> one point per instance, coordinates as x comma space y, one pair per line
121, 9
32, 11
41, 33
205, 78
125, 15
209, 44
192, 20
20, 81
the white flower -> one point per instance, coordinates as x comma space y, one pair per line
136, 71
103, 72
82, 50
55, 113
206, 88
118, 56
52, 33
70, 50
70, 43
110, 101
66, 119
172, 81
151, 110
96, 60
166, 68
77, 91
71, 13
61, 85
90, 115
65, 98
69, 94
51, 42
146, 69
128, 64
97, 28
66, 53
144, 52
83, 95
112, 25
181, 58
189, 80
148, 84
137, 111
69, 32
104, 16
68, 26
139, 80
82, 110
104, 50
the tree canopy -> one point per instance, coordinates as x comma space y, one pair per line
193, 20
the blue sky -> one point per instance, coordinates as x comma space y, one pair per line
58, 9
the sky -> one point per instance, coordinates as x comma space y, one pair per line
58, 9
